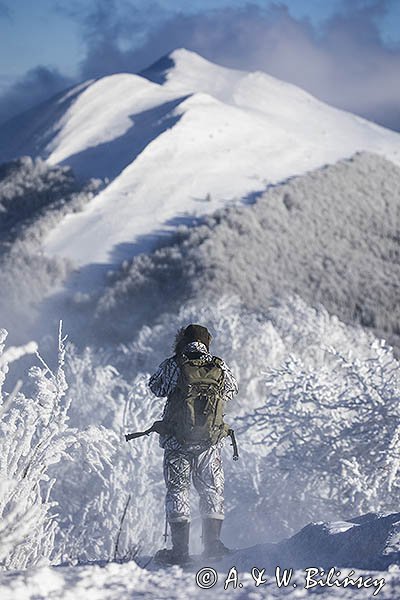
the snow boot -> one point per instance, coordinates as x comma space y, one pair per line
179, 554
213, 547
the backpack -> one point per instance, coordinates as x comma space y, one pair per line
194, 410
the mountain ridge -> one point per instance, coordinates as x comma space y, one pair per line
207, 137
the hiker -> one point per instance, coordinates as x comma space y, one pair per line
192, 375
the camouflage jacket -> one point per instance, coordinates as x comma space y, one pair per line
164, 381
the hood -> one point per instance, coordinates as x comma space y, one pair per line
189, 334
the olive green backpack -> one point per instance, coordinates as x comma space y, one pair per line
194, 411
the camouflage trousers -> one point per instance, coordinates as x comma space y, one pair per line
205, 469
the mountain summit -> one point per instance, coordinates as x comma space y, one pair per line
181, 139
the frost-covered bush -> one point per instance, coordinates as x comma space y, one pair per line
325, 441
98, 511
35, 436
94, 507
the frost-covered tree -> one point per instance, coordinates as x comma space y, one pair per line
100, 517
34, 197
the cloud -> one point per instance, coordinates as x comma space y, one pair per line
344, 62
114, 32
35, 87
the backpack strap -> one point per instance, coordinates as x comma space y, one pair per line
218, 361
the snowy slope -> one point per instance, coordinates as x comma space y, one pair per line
181, 141
329, 236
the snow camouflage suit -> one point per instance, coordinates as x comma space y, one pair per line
203, 463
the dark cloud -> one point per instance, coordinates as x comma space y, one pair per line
114, 32
5, 12
38, 85
345, 62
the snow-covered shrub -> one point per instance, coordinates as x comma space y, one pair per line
325, 442
34, 437
98, 510
94, 522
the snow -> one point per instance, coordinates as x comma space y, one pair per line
203, 137
248, 575
322, 236
14, 353
101, 113
118, 582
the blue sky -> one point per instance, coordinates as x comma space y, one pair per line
46, 45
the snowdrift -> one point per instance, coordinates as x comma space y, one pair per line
368, 542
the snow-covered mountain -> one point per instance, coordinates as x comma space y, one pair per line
182, 139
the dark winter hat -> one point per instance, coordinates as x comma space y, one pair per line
192, 333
